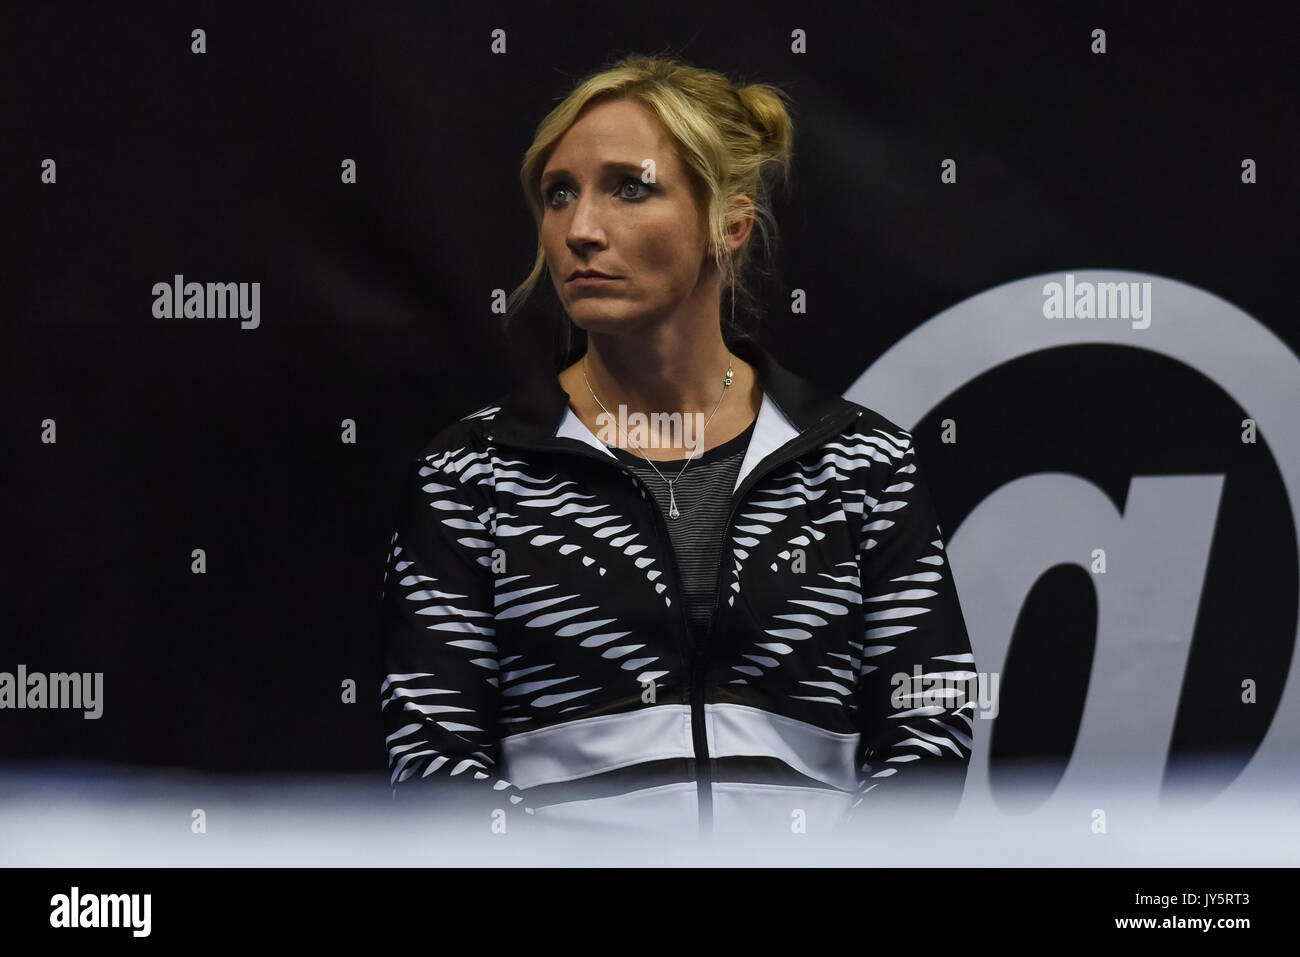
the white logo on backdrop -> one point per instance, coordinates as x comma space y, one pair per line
1157, 549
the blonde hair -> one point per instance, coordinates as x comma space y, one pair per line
731, 140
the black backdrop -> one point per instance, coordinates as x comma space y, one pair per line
177, 434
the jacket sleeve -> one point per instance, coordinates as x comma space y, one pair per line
439, 696
911, 747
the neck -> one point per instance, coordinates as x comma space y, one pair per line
661, 370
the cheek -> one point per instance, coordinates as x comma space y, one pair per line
550, 239
662, 252
552, 251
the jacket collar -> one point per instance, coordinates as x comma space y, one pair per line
539, 408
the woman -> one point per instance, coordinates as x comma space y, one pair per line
696, 619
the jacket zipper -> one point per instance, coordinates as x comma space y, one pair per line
810, 439
696, 655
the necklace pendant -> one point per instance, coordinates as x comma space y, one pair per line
672, 503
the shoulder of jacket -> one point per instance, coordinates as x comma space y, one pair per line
872, 427
467, 435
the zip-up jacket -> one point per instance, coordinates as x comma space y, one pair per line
538, 652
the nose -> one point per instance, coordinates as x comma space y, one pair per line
584, 229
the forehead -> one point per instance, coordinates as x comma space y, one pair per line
612, 131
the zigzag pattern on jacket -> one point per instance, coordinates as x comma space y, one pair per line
812, 652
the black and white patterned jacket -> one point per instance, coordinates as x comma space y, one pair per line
538, 653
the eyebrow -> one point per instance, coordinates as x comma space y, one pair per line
550, 176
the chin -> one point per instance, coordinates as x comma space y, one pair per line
593, 316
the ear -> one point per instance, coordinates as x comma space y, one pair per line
740, 220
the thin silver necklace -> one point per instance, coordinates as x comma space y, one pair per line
672, 495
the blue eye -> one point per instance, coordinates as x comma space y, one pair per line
636, 182
549, 197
